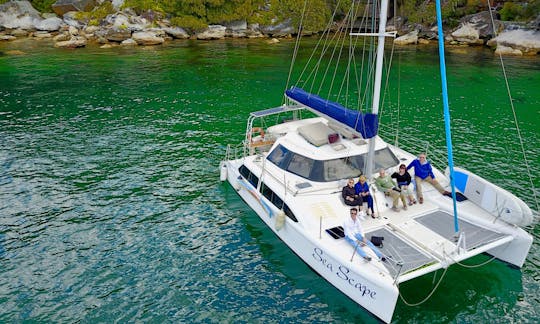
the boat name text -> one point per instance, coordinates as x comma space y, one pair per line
344, 273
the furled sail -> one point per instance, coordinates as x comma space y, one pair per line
365, 124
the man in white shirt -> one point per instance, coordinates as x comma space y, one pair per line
355, 236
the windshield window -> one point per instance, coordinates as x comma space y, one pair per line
329, 170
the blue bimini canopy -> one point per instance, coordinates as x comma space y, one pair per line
365, 124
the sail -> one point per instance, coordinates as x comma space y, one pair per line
365, 124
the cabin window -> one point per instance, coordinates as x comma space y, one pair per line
278, 156
385, 159
277, 201
344, 168
329, 170
300, 165
249, 176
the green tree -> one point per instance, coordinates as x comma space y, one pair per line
315, 16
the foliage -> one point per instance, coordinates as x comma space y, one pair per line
315, 18
144, 5
520, 10
197, 14
43, 5
189, 22
97, 14
510, 11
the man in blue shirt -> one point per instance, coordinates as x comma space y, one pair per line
424, 172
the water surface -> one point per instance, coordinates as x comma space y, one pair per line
111, 207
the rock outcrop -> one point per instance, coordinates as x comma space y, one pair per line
517, 42
127, 28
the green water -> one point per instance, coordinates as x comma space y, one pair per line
111, 208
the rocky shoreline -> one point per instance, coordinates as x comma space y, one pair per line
18, 19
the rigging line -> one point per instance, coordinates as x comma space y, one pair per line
325, 33
388, 69
346, 79
336, 66
353, 49
522, 146
473, 265
322, 41
315, 71
337, 35
370, 83
296, 46
362, 99
428, 296
396, 142
360, 81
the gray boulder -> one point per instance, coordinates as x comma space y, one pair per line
129, 42
526, 41
18, 14
60, 7
410, 38
176, 32
236, 29
212, 32
74, 42
117, 34
147, 38
467, 34
482, 23
71, 20
49, 24
281, 29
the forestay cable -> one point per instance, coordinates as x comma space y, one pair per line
522, 146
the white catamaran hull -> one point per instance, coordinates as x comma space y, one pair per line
365, 288
493, 199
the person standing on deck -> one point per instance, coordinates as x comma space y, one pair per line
424, 172
355, 236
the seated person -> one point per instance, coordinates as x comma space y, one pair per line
361, 188
350, 197
355, 236
386, 185
403, 179
424, 172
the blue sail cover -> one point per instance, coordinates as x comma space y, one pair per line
365, 124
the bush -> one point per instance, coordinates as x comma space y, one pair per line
42, 5
189, 22
95, 16
511, 11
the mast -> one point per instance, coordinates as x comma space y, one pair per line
446, 110
378, 79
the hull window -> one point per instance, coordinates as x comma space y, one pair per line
250, 177
277, 201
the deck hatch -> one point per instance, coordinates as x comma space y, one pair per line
442, 223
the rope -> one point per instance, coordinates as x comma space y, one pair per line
296, 46
396, 142
326, 32
522, 146
427, 297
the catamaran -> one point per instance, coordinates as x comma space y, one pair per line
295, 159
